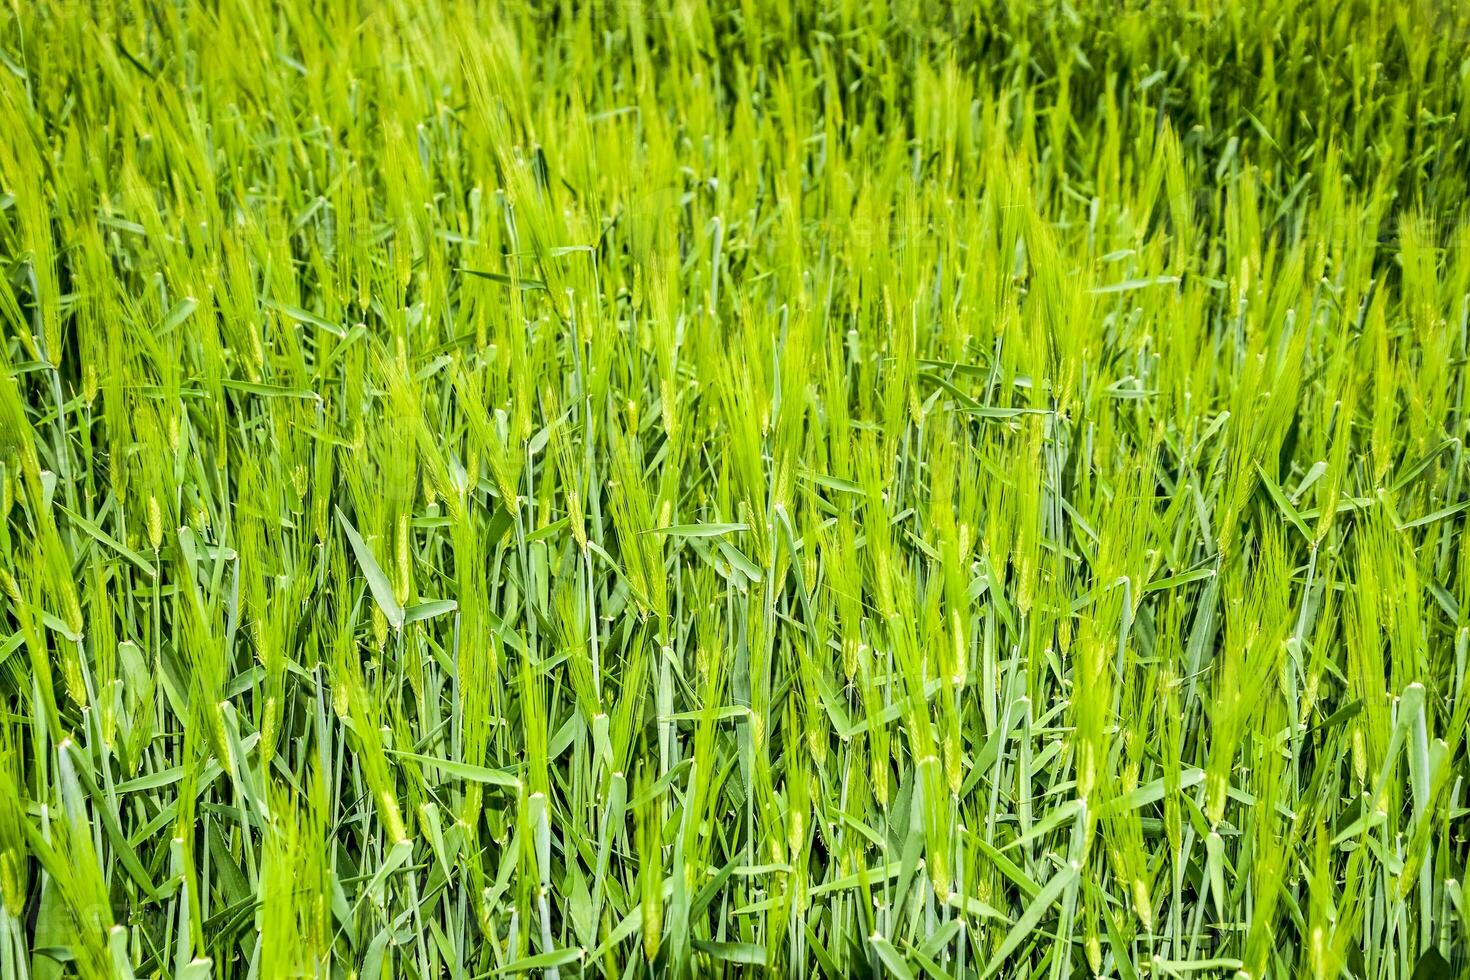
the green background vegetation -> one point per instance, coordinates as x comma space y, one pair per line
660, 489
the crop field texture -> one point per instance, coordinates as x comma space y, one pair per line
630, 489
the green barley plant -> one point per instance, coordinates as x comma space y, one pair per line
668, 489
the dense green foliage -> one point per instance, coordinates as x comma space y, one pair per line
660, 489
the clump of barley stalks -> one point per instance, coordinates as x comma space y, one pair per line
669, 489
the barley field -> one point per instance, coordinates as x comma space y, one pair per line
622, 489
